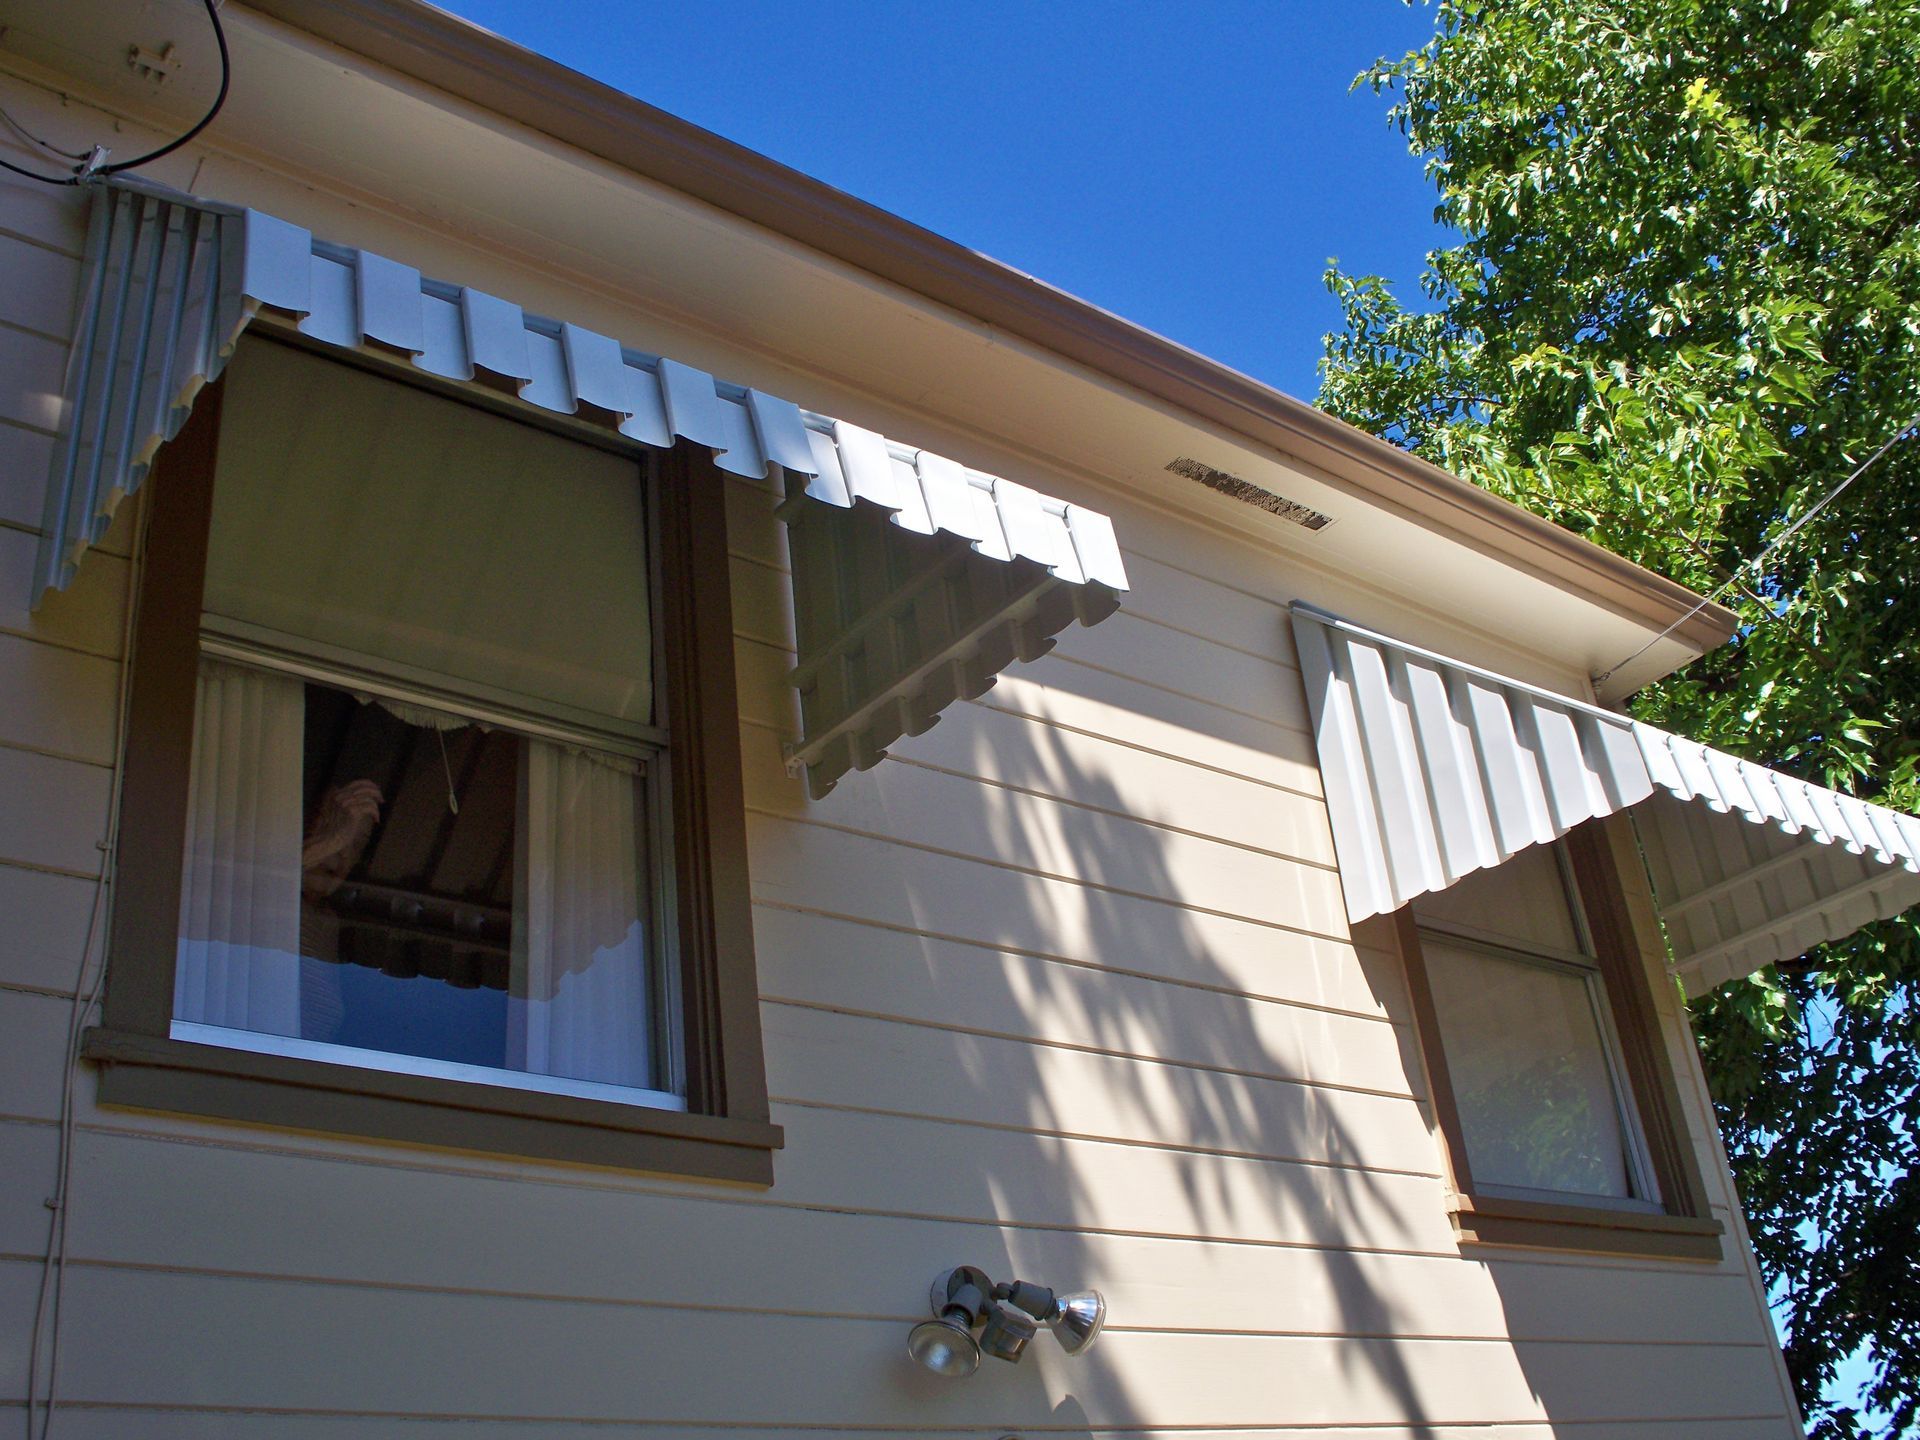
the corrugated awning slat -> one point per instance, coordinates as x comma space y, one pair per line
1434, 769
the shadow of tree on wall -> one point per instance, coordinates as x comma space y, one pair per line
1120, 1076
1073, 1040
1103, 960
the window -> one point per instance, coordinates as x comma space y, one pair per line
1551, 1092
433, 774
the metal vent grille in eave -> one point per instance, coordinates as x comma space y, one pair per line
1258, 496
1434, 769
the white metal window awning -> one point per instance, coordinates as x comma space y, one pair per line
1434, 769
171, 281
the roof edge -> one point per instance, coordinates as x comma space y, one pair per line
474, 64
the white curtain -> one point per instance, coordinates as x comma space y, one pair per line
239, 955
579, 989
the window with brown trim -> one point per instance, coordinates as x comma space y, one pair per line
433, 827
1553, 1099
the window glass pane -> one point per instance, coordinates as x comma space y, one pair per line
1530, 1072
1522, 900
406, 907
373, 516
370, 875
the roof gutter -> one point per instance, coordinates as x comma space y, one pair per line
475, 65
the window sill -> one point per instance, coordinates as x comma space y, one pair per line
1543, 1225
147, 1072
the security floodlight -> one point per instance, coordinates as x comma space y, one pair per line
964, 1299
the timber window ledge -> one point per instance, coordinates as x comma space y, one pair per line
410, 850
142, 1072
1490, 1220
1556, 1110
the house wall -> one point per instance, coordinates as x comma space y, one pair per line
1065, 988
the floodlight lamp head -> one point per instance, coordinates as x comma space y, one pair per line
945, 1346
1076, 1320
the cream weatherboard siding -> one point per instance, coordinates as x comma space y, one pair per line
1065, 989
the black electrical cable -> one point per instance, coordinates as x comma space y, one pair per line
81, 172
226, 75
35, 175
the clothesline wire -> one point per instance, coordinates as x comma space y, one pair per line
1733, 579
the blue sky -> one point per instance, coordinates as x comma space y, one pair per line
1191, 166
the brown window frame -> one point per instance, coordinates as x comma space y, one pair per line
1684, 1227
725, 1134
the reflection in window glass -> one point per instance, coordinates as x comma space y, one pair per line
406, 904
1523, 901
367, 874
1530, 1072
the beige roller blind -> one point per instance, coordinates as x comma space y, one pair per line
371, 516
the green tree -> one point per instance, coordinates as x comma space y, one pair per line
1684, 303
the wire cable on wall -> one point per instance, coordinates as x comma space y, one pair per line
91, 163
46, 145
88, 982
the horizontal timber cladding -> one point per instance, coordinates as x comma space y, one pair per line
30, 369
1064, 989
58, 701
1089, 773
53, 220
1083, 843
25, 455
40, 296
1095, 704
818, 868
979, 989
478, 1354
673, 1249
47, 914
852, 1062
86, 620
146, 1423
55, 808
